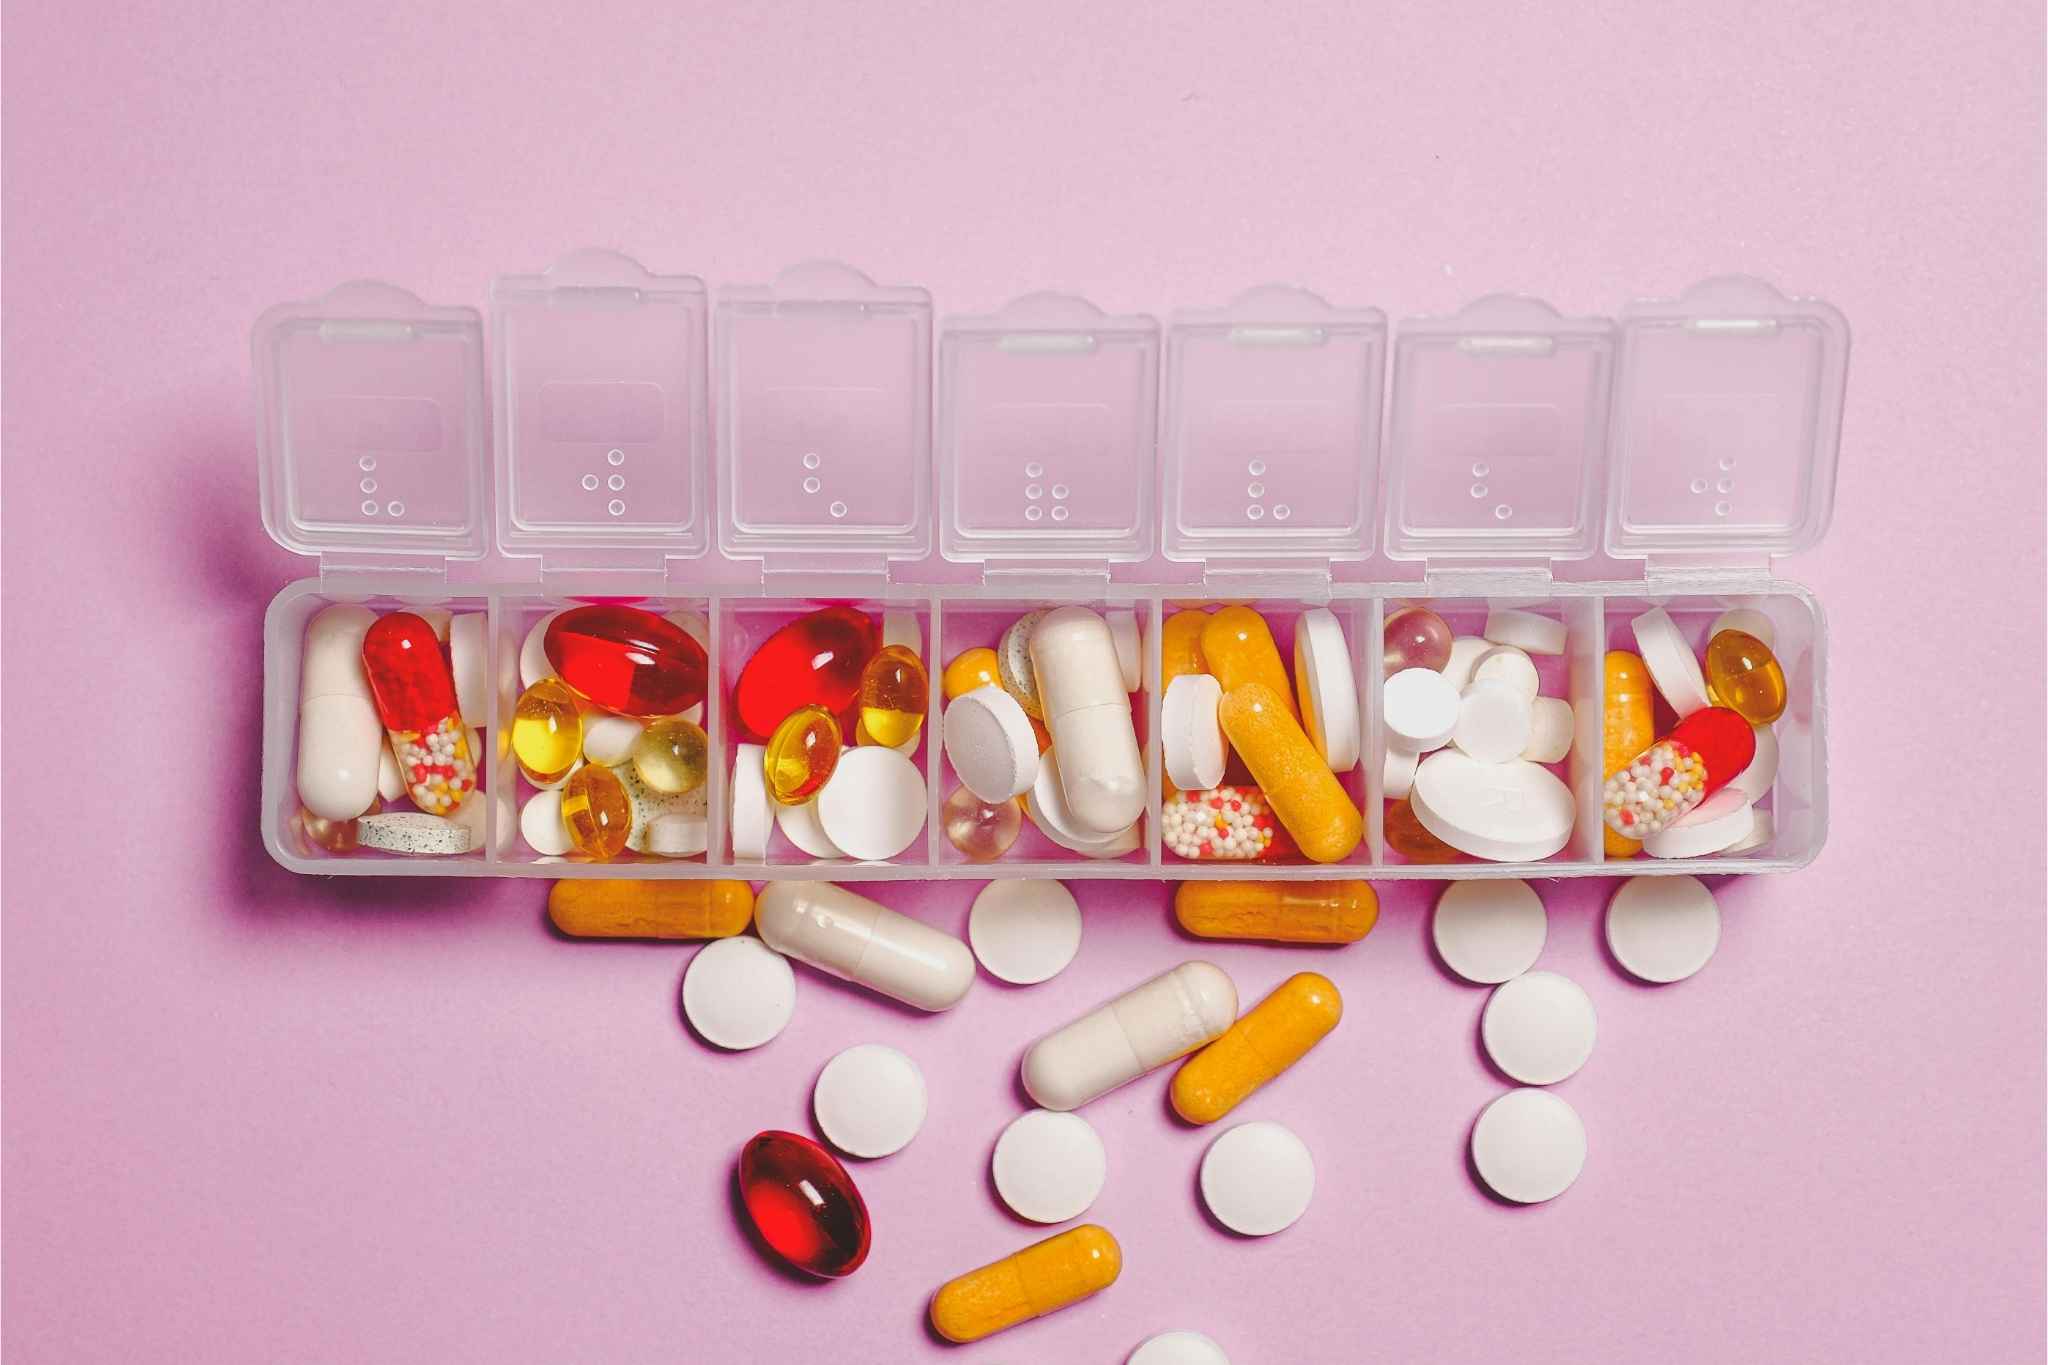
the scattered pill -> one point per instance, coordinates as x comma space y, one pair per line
468, 660
869, 1101
1024, 931
1191, 741
1551, 722
1670, 660
1525, 630
1177, 1348
1538, 1028
1489, 931
815, 660
1507, 664
1237, 646
982, 830
1416, 637
1746, 676
738, 993
804, 1205
1676, 773
1748, 620
1506, 812
626, 660
1420, 708
1305, 795
1258, 1178
1715, 824
1495, 721
990, 744
593, 907
1397, 774
412, 831
1123, 633
1042, 1278
1277, 912
608, 740
1147, 1026
533, 653
873, 806
752, 808
799, 824
855, 939
1014, 670
1085, 707
1267, 1039
1663, 929
1466, 651
1529, 1146
1327, 688
540, 825
1049, 1167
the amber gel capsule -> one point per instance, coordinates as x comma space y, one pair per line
1271, 1036
1278, 912
1042, 1278
593, 908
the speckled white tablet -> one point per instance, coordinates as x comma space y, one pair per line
468, 661
1663, 929
738, 993
1465, 652
1749, 621
1049, 1166
1762, 830
1123, 633
1714, 825
1538, 1028
1550, 731
1189, 736
533, 654
1674, 668
415, 831
1529, 1146
873, 806
677, 836
900, 627
990, 743
1507, 664
752, 810
1762, 772
869, 1101
799, 825
1397, 774
608, 739
1024, 931
1525, 630
1510, 812
1258, 1178
1323, 673
1178, 1348
1495, 720
1420, 707
1489, 931
540, 824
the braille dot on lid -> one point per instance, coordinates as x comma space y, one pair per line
1699, 485
369, 508
1255, 489
1033, 470
1255, 468
616, 507
837, 509
367, 463
396, 509
1034, 491
1033, 513
616, 482
1282, 512
1480, 469
1059, 492
1503, 512
1255, 511
1478, 490
369, 485
1727, 462
1720, 509
812, 485
616, 457
590, 483
811, 460
1724, 486
1060, 514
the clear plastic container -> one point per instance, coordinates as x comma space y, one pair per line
834, 443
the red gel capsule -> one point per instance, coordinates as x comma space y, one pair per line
804, 1204
815, 660
627, 660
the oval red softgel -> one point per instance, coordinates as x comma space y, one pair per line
815, 660
627, 660
804, 1204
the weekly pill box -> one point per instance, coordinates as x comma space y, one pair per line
753, 454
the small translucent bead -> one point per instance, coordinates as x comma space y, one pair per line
547, 731
1407, 837
336, 836
1416, 637
894, 695
672, 756
1744, 676
980, 830
597, 812
801, 755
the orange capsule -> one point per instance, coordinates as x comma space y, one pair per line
1042, 1278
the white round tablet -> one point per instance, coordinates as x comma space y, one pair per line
869, 1101
1322, 672
799, 825
415, 831
1550, 731
1762, 772
1674, 668
1420, 707
608, 739
533, 654
1762, 830
752, 813
540, 824
1123, 633
1495, 720
990, 743
873, 807
692, 624
678, 836
1024, 931
1178, 1348
1538, 1028
470, 663
900, 627
738, 993
1717, 823
1465, 652
1397, 773
1525, 630
1506, 664
1749, 621
1489, 931
1189, 736
1506, 812
1257, 1178
1048, 1166
1529, 1146
1663, 929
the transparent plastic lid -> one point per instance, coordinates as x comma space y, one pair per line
824, 418
1272, 437
1048, 426
602, 438
1728, 418
1499, 432
372, 425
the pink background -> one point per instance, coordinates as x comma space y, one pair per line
251, 1117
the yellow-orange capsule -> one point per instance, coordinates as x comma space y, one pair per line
1238, 648
1296, 780
1042, 1278
1625, 729
1278, 912
1180, 643
1267, 1039
595, 908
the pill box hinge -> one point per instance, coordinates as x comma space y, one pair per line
1494, 580
1071, 578
1677, 575
353, 575
1248, 580
598, 572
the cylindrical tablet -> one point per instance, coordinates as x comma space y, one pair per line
1525, 630
1327, 687
799, 825
540, 824
1495, 720
1674, 668
1762, 830
869, 1101
1147, 1026
1529, 1146
608, 740
738, 993
1123, 633
1538, 1028
1024, 931
1489, 931
1762, 772
533, 654
1420, 708
1258, 1178
1397, 774
469, 662
1505, 812
413, 831
752, 808
1663, 929
1717, 823
1507, 664
1550, 731
1049, 1166
1750, 622
900, 627
990, 744
855, 939
1190, 737
1466, 651
873, 806
1178, 1348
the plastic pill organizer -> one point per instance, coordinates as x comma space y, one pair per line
814, 441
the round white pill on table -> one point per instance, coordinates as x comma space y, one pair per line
1762, 830
1538, 1028
540, 824
1489, 931
1123, 633
1749, 621
1762, 772
608, 740
1049, 1166
1550, 731
1529, 1146
1178, 1348
1495, 720
1510, 812
1397, 773
1663, 929
1024, 931
1525, 630
1322, 672
1466, 651
991, 745
738, 993
900, 627
799, 825
873, 807
1420, 707
469, 663
1507, 664
752, 809
869, 1101
1190, 737
1674, 668
1257, 1178
533, 654
1716, 824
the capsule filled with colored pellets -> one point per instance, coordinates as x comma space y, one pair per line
1180, 645
1297, 783
626, 660
1222, 824
1746, 676
547, 732
801, 755
1625, 731
415, 695
1238, 648
804, 1205
1267, 1039
1278, 912
590, 907
672, 756
895, 693
815, 660
1043, 1278
1664, 782
597, 812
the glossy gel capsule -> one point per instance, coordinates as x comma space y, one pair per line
1147, 1026
855, 939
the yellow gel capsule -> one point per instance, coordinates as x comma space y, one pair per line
1625, 730
597, 812
1180, 644
801, 754
975, 668
547, 731
591, 908
1298, 784
1278, 912
894, 695
1237, 648
1267, 1039
672, 756
1745, 676
1042, 1278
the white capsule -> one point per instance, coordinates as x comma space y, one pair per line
853, 938
1081, 694
1148, 1026
341, 739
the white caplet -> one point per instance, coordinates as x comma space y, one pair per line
1525, 630
1148, 1026
851, 937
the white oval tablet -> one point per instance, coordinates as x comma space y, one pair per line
1762, 772
873, 806
1674, 668
1420, 707
1538, 1028
533, 654
540, 824
900, 627
1749, 621
738, 993
1550, 731
1258, 1178
991, 745
1762, 830
1489, 931
752, 808
1190, 736
1509, 812
1507, 664
1178, 1348
1024, 931
1049, 1166
1525, 630
608, 739
390, 781
869, 1101
1397, 774
1717, 823
799, 824
1495, 720
677, 836
468, 661
1529, 1146
1663, 929
1465, 652
415, 831
1123, 633
1322, 672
